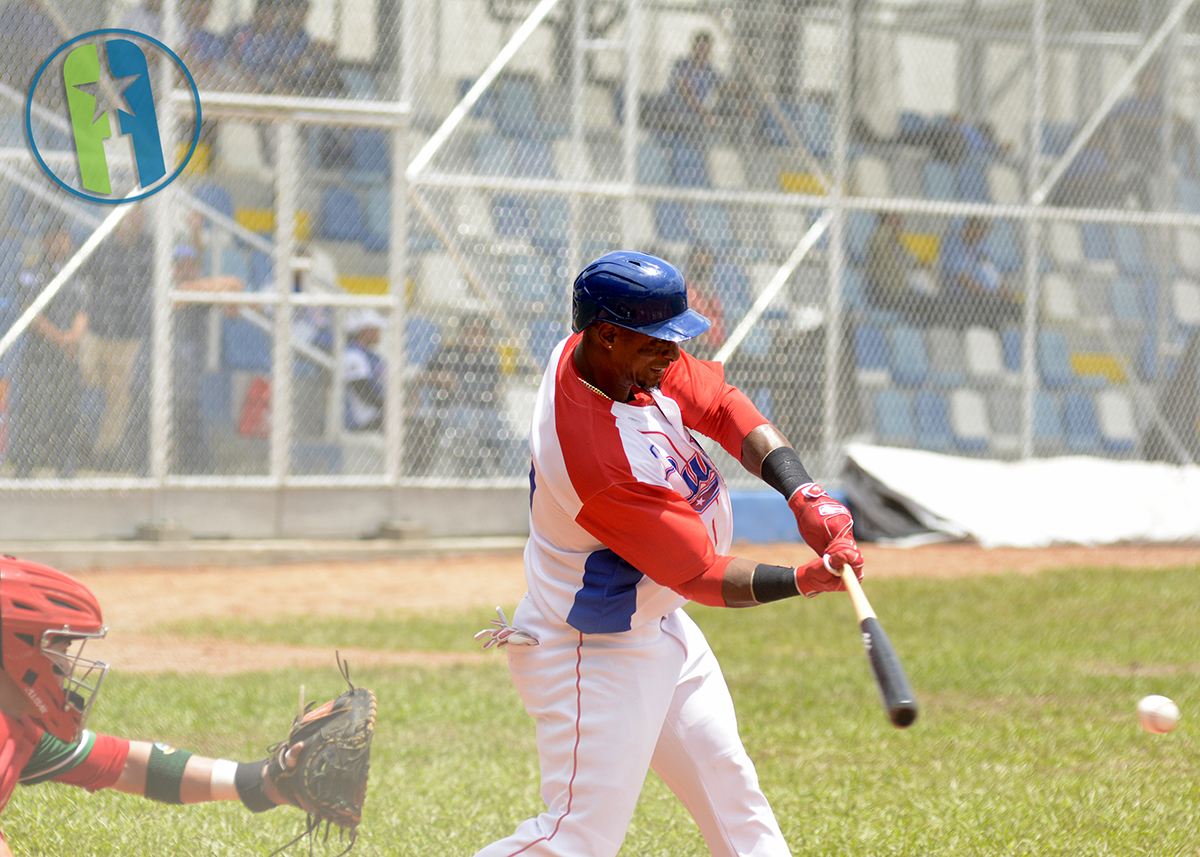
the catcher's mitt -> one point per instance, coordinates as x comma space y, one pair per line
329, 779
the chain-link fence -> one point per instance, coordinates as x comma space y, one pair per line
360, 273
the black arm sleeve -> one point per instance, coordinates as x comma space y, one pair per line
783, 471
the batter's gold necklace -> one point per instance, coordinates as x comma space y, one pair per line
596, 389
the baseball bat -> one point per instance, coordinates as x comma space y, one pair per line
898, 699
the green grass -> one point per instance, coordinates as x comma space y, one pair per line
1027, 743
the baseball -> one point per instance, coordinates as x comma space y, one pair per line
1157, 714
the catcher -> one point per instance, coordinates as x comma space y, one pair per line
47, 689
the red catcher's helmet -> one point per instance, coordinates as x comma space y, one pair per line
46, 616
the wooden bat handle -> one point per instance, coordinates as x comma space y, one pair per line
862, 607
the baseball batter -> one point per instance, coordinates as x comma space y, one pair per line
629, 520
47, 689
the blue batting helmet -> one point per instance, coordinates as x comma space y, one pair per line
638, 292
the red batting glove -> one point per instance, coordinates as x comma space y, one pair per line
815, 577
827, 528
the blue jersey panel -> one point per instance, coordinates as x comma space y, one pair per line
608, 599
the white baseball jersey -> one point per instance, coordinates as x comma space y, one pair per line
626, 507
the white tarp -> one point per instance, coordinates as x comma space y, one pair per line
1040, 502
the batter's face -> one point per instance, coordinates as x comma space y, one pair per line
643, 358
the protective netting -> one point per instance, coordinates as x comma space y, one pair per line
367, 260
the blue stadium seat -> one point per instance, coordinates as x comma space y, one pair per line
860, 226
544, 334
1056, 137
1188, 191
512, 216
551, 224
244, 347
1081, 428
934, 431
690, 168
672, 221
713, 226
809, 121
1097, 241
908, 358
1126, 302
378, 210
1131, 252
342, 215
854, 294
1011, 341
939, 180
422, 337
870, 349
529, 279
262, 271
370, 158
911, 125
495, 155
235, 263
732, 286
1047, 420
533, 159
1054, 360
894, 421
973, 182
1004, 246
514, 107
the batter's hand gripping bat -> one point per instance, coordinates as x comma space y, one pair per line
897, 693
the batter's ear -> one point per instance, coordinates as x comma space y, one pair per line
606, 334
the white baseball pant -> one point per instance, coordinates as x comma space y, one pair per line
610, 706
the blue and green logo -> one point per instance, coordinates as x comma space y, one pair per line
132, 60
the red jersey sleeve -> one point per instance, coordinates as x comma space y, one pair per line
709, 404
102, 767
679, 554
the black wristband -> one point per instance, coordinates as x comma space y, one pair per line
783, 471
773, 583
249, 784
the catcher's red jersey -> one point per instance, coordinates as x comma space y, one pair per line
625, 506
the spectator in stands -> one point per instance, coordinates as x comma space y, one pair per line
1136, 125
703, 298
191, 451
974, 288
695, 88
118, 303
1090, 181
896, 280
465, 380
276, 54
46, 424
363, 371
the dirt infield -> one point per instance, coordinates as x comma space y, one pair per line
135, 600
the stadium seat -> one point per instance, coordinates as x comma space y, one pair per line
544, 334
1118, 426
1125, 300
934, 431
1059, 301
871, 177
894, 423
422, 338
1005, 246
370, 157
908, 358
533, 158
726, 169
1012, 341
514, 107
984, 354
528, 280
871, 355
495, 155
1081, 430
968, 417
1066, 245
563, 152
239, 149
551, 223
1097, 242
234, 263
1054, 360
1187, 250
244, 347
214, 196
940, 180
1004, 185
512, 216
946, 357
378, 210
1048, 432
1004, 409
1186, 302
713, 226
732, 285
860, 226
1131, 252
262, 271
973, 182
1188, 190
342, 215
471, 215
672, 222
854, 294
689, 168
